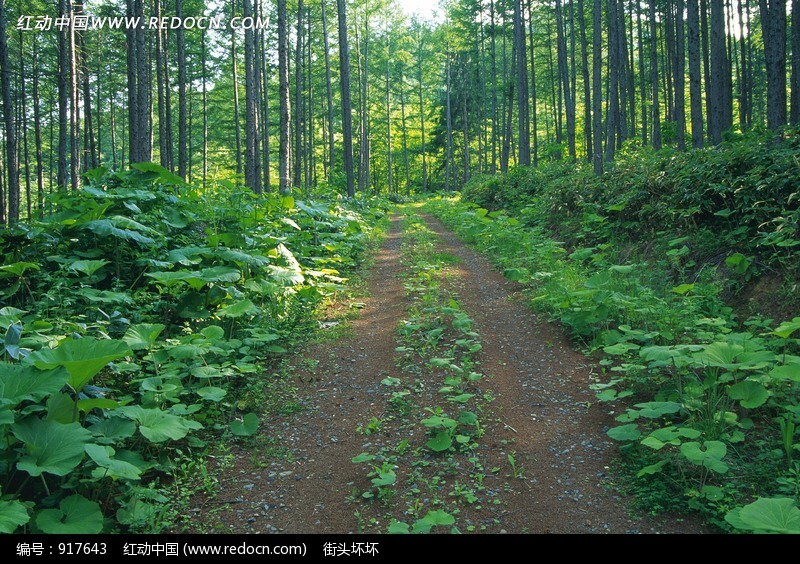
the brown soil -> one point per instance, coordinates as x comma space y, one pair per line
543, 413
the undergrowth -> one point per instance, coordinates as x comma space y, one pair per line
141, 323
643, 266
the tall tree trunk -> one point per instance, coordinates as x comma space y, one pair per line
654, 77
252, 161
285, 183
597, 87
622, 89
522, 87
706, 52
744, 78
555, 86
8, 120
264, 105
23, 100
534, 98
347, 110
422, 111
63, 96
587, 99
390, 180
163, 125
144, 137
82, 59
695, 88
449, 148
404, 129
298, 96
680, 74
183, 141
205, 108
363, 168
329, 86
465, 119
74, 119
719, 120
37, 132
612, 115
773, 25
236, 113
642, 75
493, 167
794, 113
569, 100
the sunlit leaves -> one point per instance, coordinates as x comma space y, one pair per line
75, 515
82, 358
51, 447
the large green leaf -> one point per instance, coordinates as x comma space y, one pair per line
655, 409
246, 427
286, 276
113, 429
123, 228
750, 394
243, 307
158, 426
786, 372
20, 382
13, 514
709, 455
384, 479
88, 267
441, 442
52, 447
220, 274
786, 328
771, 515
83, 358
212, 393
163, 174
143, 335
439, 517
76, 516
110, 466
629, 432
721, 354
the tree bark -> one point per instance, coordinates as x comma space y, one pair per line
37, 132
183, 142
695, 88
587, 99
680, 74
720, 118
329, 92
298, 96
523, 124
347, 110
656, 108
794, 113
285, 183
8, 120
63, 96
236, 113
597, 69
569, 102
252, 161
773, 25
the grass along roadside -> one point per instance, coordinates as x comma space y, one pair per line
425, 467
707, 409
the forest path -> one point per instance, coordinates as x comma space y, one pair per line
542, 414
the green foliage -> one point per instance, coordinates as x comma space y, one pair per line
637, 264
134, 321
